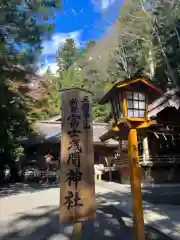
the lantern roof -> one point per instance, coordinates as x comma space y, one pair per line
136, 84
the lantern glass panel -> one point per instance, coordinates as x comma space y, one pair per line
136, 104
136, 113
142, 105
129, 104
141, 96
141, 113
135, 96
129, 95
130, 113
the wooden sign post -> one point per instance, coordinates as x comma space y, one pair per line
77, 190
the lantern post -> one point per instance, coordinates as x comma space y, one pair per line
129, 101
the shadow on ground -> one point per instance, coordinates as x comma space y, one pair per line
44, 224
155, 195
122, 200
17, 188
162, 195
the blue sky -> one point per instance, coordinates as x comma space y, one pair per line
81, 20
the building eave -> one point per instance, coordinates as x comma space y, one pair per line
171, 98
50, 131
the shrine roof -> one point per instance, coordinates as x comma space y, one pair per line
51, 132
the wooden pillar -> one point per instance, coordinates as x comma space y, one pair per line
135, 177
77, 231
120, 147
145, 149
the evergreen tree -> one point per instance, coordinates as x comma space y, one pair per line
134, 50
22, 27
67, 55
148, 40
166, 18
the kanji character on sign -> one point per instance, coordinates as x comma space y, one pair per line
73, 105
74, 176
74, 133
72, 200
74, 120
75, 145
74, 158
85, 106
85, 109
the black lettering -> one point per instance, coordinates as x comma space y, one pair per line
74, 121
75, 145
74, 133
72, 200
85, 108
74, 158
86, 125
74, 176
73, 105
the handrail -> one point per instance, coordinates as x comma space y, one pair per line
152, 159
